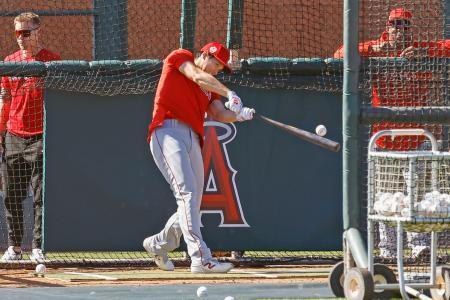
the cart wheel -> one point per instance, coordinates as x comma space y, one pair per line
358, 284
336, 280
443, 279
383, 275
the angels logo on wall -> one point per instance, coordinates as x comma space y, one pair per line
220, 193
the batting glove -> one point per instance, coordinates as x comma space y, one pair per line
245, 114
234, 103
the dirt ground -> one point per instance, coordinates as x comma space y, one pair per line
60, 277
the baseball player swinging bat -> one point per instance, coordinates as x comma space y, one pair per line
305, 135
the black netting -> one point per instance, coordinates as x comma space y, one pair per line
404, 82
115, 47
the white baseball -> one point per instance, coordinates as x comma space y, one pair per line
378, 206
40, 269
321, 130
202, 291
405, 212
398, 197
229, 298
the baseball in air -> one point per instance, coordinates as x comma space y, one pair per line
40, 269
321, 130
202, 291
229, 298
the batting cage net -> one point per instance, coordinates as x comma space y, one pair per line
116, 47
404, 81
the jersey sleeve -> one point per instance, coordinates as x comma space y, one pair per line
441, 49
363, 48
5, 83
178, 57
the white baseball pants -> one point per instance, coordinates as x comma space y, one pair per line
176, 150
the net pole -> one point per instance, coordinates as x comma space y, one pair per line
352, 207
350, 112
188, 19
235, 23
109, 12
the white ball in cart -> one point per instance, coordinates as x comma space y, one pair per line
321, 130
398, 197
447, 198
405, 212
378, 206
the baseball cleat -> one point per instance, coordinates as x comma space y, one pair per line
161, 259
164, 263
10, 254
37, 255
212, 266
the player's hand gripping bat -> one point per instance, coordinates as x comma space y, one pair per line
305, 135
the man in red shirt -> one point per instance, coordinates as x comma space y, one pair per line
21, 128
403, 88
187, 91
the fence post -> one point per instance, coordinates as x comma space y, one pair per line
188, 19
352, 204
110, 16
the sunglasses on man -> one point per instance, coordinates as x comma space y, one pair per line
24, 33
400, 24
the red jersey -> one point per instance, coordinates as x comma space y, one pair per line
26, 113
178, 97
400, 88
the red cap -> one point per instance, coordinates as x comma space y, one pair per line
220, 52
400, 13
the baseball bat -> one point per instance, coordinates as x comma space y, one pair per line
305, 135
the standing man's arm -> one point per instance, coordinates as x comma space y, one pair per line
443, 48
415, 52
5, 103
365, 49
437, 49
